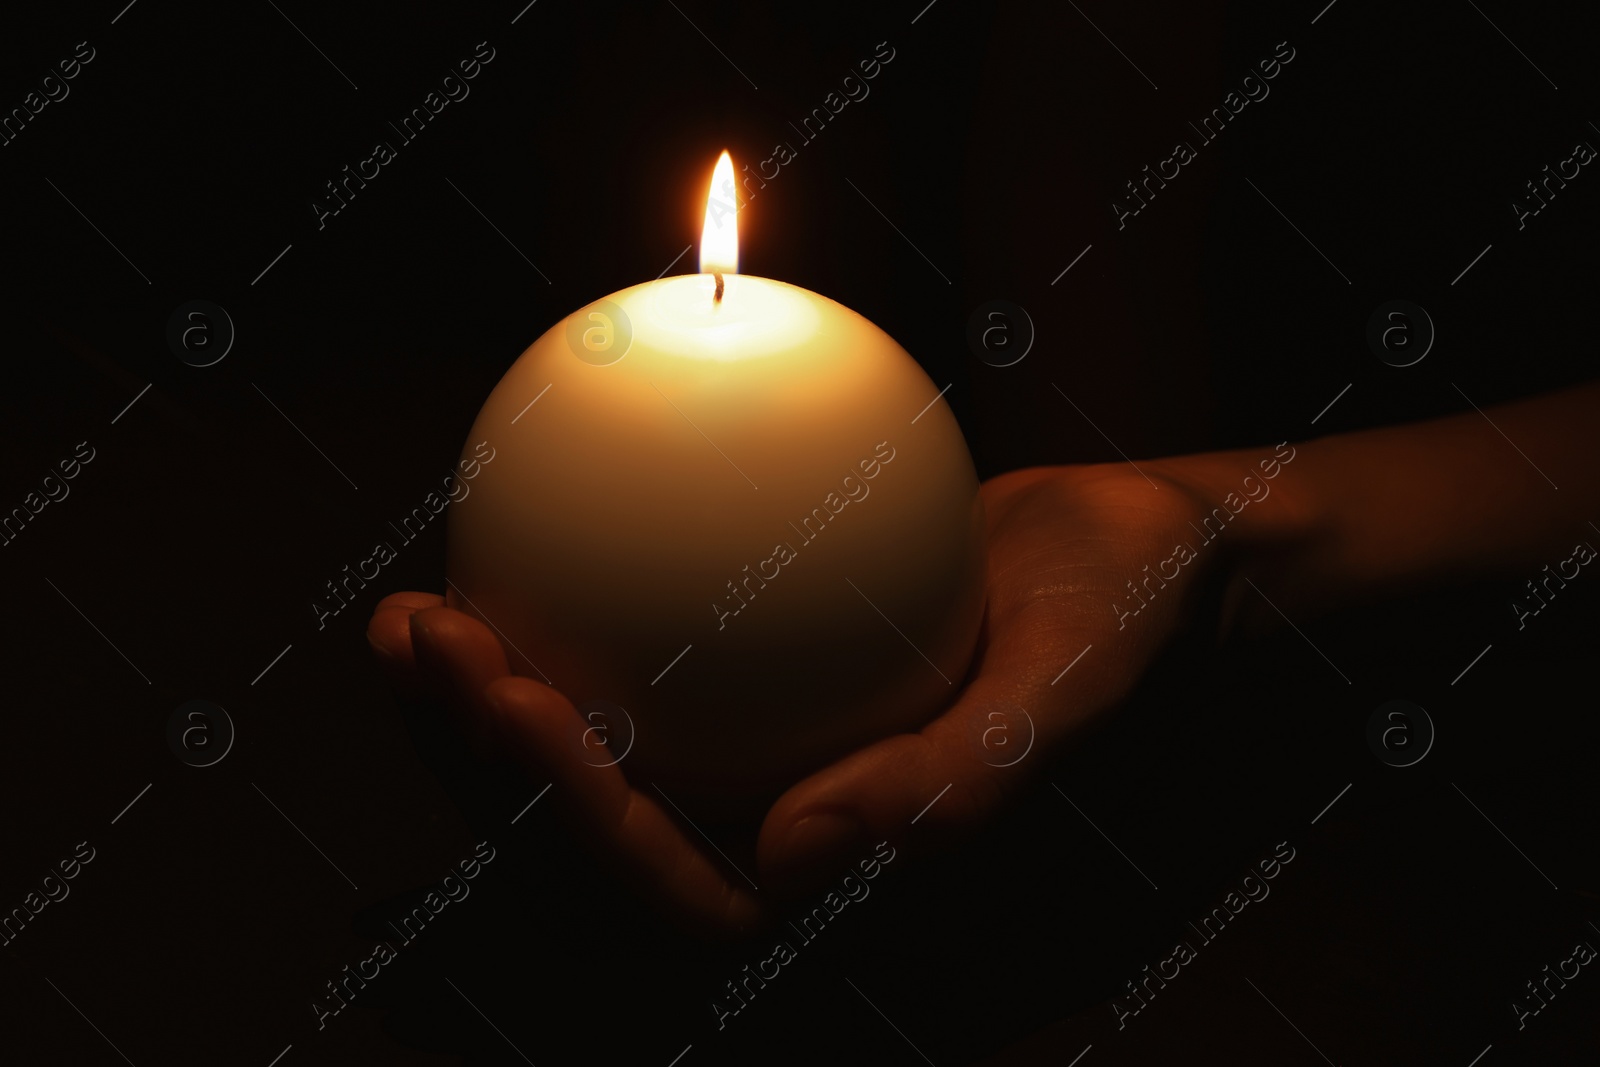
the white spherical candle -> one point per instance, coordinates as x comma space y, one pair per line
741, 519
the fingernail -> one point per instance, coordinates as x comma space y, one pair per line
819, 847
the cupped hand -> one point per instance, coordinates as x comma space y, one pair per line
1064, 641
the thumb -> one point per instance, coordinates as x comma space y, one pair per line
928, 790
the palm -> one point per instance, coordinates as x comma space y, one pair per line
1064, 542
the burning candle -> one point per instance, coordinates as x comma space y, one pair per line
734, 516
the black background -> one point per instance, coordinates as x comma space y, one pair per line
994, 143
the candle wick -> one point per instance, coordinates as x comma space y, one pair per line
716, 298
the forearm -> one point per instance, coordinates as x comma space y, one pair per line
1369, 515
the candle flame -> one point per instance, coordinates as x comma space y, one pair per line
719, 238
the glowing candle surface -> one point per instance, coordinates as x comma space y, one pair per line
742, 518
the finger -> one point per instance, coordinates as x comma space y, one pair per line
629, 829
411, 600
930, 789
458, 657
389, 634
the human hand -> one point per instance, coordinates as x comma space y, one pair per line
1063, 545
